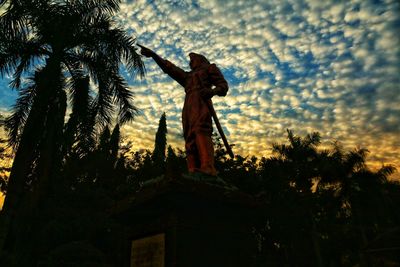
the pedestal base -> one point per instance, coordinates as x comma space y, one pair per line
187, 223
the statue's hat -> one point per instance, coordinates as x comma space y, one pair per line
199, 56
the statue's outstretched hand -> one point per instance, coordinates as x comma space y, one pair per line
145, 51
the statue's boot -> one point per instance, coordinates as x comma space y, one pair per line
206, 154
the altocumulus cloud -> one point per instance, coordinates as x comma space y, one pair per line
311, 65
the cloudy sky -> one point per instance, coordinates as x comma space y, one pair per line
311, 65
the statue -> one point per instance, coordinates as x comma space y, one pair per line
203, 82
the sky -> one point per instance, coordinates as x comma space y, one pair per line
304, 65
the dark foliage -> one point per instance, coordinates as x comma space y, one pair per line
65, 44
321, 207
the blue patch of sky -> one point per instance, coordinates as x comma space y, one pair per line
230, 76
307, 106
297, 19
7, 95
288, 71
308, 61
377, 2
264, 75
356, 7
369, 89
354, 23
344, 56
232, 121
146, 37
254, 117
195, 5
290, 113
235, 110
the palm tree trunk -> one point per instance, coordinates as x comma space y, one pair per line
50, 158
26, 154
22, 166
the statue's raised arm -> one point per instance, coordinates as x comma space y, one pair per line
169, 68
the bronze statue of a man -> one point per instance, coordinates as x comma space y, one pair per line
201, 83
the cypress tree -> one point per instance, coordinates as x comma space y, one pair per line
114, 144
160, 144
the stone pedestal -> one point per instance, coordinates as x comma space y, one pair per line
187, 222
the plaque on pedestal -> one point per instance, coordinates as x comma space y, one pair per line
148, 251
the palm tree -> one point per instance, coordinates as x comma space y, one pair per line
299, 159
300, 156
68, 42
359, 190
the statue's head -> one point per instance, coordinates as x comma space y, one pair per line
196, 60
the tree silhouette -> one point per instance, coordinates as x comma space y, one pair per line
160, 144
67, 41
360, 191
327, 200
79, 130
299, 223
319, 207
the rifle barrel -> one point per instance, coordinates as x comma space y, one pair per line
221, 132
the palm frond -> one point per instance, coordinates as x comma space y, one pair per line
16, 121
336, 152
112, 42
280, 149
17, 56
97, 6
93, 7
294, 140
356, 159
385, 171
123, 97
32, 52
112, 87
103, 104
14, 21
129, 53
313, 139
98, 68
80, 126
